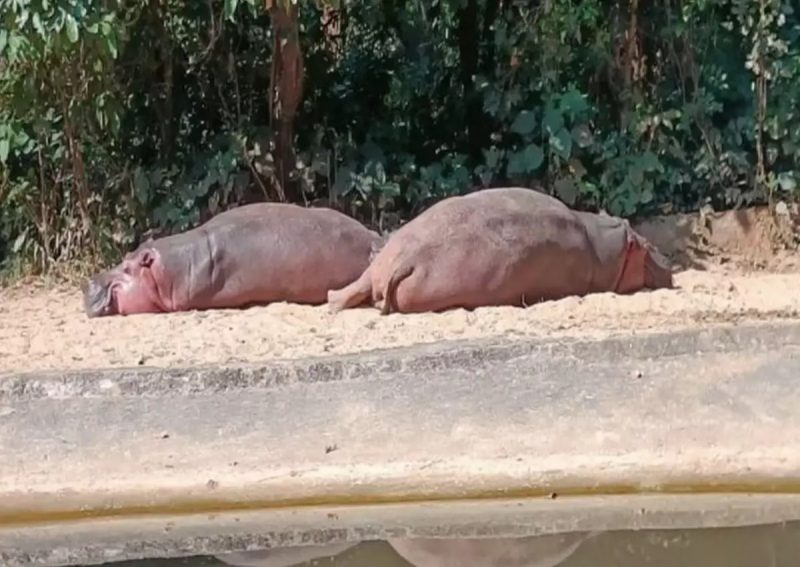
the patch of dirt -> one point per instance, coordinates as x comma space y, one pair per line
732, 270
748, 239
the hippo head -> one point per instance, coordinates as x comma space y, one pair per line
126, 289
644, 266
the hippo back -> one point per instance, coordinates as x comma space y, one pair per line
491, 247
262, 253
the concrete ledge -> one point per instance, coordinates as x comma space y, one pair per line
696, 417
147, 381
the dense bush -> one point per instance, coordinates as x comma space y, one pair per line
123, 118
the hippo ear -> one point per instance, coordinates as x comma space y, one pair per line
146, 259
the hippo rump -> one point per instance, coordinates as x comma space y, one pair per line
505, 246
251, 255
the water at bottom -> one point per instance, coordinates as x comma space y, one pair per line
776, 545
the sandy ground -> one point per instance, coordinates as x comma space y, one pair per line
736, 266
46, 328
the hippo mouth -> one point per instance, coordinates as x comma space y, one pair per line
98, 298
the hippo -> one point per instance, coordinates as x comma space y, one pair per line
251, 255
509, 246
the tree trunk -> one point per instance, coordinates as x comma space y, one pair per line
468, 34
286, 92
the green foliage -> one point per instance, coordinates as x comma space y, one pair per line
122, 119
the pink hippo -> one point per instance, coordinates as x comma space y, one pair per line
254, 254
505, 246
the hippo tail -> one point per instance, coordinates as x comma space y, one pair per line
400, 273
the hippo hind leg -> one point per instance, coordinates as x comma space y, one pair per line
352, 295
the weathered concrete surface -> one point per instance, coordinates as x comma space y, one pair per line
143, 381
717, 410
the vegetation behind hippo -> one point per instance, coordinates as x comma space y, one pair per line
127, 119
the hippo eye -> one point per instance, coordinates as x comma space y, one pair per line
111, 296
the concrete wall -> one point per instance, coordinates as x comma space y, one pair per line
660, 430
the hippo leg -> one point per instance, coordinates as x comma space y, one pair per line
351, 295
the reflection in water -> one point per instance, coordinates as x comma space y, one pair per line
760, 546
284, 557
542, 551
